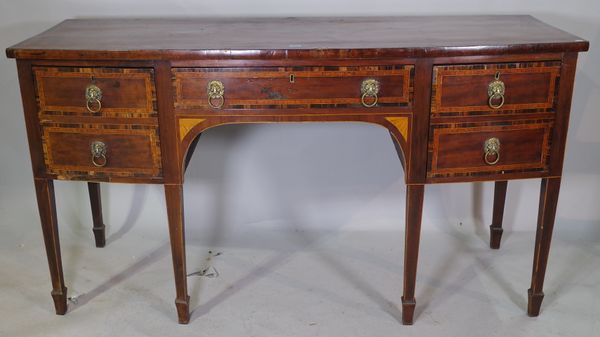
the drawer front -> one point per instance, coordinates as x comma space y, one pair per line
116, 92
293, 87
489, 149
80, 152
464, 90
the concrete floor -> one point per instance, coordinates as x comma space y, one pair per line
281, 280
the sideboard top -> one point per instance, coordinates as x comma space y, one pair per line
268, 38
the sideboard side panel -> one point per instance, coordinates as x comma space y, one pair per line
563, 110
24, 69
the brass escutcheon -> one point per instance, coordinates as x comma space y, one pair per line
93, 97
215, 90
491, 149
496, 91
98, 150
369, 88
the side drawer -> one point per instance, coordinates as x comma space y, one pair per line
464, 90
117, 92
77, 153
489, 150
293, 87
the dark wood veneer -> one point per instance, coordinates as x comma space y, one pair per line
433, 74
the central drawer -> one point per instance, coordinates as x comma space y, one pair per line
293, 87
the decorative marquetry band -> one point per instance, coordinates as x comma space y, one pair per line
401, 123
186, 125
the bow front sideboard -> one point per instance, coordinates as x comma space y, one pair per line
465, 98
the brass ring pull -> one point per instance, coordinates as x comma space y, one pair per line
101, 162
491, 151
215, 90
98, 150
93, 102
493, 98
364, 102
218, 105
93, 97
491, 162
496, 90
369, 88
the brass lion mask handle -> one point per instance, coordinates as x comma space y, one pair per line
215, 90
496, 90
369, 89
93, 98
491, 151
98, 150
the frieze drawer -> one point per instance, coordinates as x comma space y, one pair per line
293, 87
95, 91
496, 88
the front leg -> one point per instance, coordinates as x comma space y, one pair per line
98, 224
547, 211
44, 189
174, 196
414, 211
498, 213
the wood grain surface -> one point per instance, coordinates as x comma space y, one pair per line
280, 38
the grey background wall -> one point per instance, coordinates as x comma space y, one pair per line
326, 176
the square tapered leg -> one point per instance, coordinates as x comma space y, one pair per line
98, 224
174, 197
546, 215
44, 189
414, 210
498, 214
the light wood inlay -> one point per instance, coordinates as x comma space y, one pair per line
186, 125
401, 123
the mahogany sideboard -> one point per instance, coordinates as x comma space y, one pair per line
465, 98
